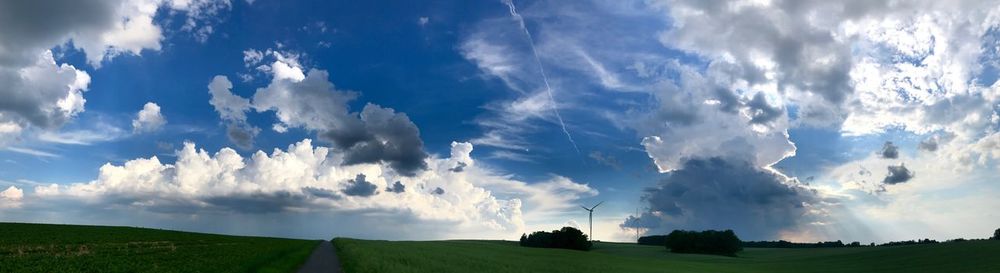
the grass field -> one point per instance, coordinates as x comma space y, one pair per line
66, 248
500, 256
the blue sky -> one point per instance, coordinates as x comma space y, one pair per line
747, 115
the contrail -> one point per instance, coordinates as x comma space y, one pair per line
541, 69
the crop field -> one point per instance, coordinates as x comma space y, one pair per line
502, 256
68, 248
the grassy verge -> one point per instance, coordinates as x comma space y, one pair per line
359, 256
69, 248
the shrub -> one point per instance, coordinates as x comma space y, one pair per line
996, 235
567, 237
705, 242
653, 240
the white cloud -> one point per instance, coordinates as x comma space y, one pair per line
30, 151
422, 21
306, 178
149, 119
102, 133
496, 60
11, 197
252, 57
286, 67
228, 105
12, 194
47, 190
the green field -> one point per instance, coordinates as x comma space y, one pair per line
66, 248
502, 256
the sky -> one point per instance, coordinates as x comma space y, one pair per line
865, 121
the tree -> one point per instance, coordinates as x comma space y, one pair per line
996, 235
653, 240
567, 237
705, 242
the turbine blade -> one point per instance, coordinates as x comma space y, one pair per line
584, 207
598, 204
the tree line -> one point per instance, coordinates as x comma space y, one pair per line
727, 243
567, 237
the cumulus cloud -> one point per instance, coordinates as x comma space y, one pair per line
306, 178
229, 106
898, 174
688, 109
232, 110
149, 119
11, 197
41, 94
889, 150
376, 134
717, 193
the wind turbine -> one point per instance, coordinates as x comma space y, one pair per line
591, 210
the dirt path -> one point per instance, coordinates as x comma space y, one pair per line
323, 259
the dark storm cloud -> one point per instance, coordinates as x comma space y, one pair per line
381, 135
898, 174
728, 101
396, 188
438, 191
321, 193
359, 187
719, 194
606, 160
646, 220
460, 167
259, 202
762, 112
889, 151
